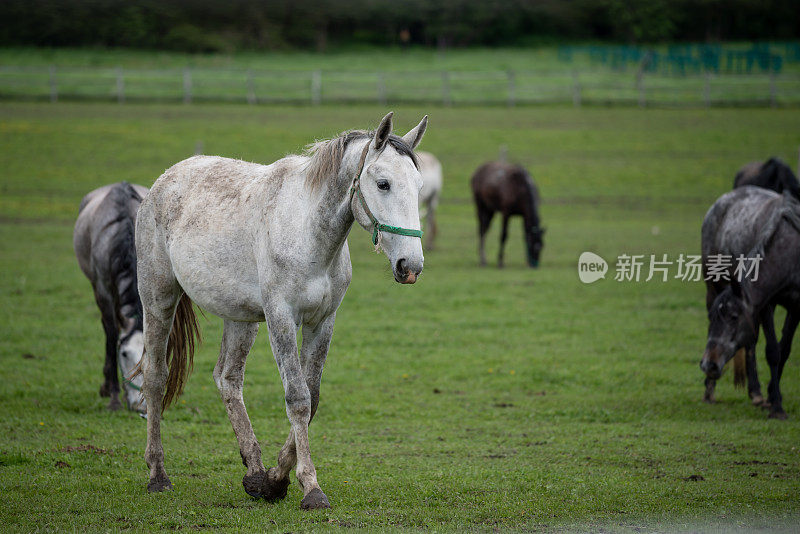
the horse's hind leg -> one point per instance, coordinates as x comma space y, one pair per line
237, 340
160, 293
157, 326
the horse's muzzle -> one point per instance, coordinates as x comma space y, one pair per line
404, 274
710, 364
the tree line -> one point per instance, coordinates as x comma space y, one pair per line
229, 25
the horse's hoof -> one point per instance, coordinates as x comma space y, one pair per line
315, 500
778, 414
159, 483
114, 404
709, 399
105, 391
253, 483
757, 400
273, 488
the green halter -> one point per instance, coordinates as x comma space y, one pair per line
377, 227
131, 384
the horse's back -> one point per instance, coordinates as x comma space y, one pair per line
102, 212
773, 174
733, 223
197, 192
505, 187
746, 174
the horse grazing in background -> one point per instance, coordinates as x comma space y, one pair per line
254, 243
431, 170
772, 174
509, 189
104, 244
758, 222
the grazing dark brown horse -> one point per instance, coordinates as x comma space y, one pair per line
104, 245
768, 225
509, 189
772, 174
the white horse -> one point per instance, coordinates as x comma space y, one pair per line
431, 170
253, 243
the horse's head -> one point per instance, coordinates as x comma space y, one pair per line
385, 194
730, 328
534, 239
131, 348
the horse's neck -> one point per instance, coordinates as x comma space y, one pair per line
331, 215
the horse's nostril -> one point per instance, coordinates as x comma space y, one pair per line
400, 266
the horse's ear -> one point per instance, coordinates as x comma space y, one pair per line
413, 137
383, 132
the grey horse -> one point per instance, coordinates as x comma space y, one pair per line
268, 243
745, 222
104, 244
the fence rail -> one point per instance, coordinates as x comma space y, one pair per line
511, 88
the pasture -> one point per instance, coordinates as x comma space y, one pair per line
477, 399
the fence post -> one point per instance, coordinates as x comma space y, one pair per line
707, 89
53, 84
187, 86
381, 89
446, 99
120, 86
576, 89
640, 87
251, 89
773, 90
316, 87
512, 88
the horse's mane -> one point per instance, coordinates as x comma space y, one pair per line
123, 252
325, 157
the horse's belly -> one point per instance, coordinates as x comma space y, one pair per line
219, 280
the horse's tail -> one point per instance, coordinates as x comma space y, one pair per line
739, 371
183, 338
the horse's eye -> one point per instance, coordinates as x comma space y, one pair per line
383, 185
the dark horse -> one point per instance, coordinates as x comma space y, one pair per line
104, 244
775, 175
509, 189
772, 174
771, 222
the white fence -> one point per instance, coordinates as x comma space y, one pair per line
429, 87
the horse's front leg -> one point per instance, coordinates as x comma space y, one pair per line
110, 387
301, 402
773, 351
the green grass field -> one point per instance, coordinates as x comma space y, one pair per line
489, 399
